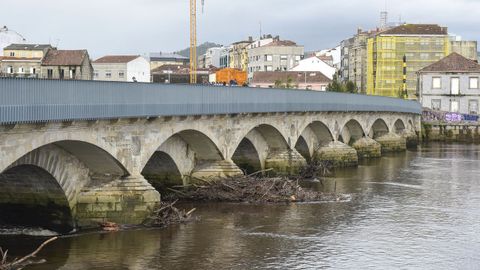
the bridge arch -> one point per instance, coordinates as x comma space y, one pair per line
31, 196
399, 126
178, 157
255, 147
351, 132
379, 128
60, 169
314, 136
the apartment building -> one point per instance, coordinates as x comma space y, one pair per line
277, 55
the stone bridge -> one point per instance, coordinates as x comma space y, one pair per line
74, 153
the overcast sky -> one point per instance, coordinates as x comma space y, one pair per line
142, 26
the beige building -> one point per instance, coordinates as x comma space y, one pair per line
160, 59
23, 60
353, 65
239, 55
67, 64
278, 55
465, 48
121, 68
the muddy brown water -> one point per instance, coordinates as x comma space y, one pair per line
418, 210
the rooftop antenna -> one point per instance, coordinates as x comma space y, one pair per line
260, 24
384, 17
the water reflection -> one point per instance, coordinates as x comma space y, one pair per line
414, 210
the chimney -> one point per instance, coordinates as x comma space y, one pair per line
250, 39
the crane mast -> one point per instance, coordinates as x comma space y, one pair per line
193, 40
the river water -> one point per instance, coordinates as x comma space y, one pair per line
417, 210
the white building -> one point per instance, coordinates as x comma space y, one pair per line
8, 37
451, 85
315, 64
335, 53
212, 57
122, 68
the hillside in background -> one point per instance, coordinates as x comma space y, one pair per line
201, 49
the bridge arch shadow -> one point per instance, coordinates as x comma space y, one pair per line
46, 182
314, 136
399, 126
178, 157
351, 132
260, 142
31, 196
378, 129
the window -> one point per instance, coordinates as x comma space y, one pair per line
10, 70
95, 74
50, 73
323, 88
298, 58
269, 68
121, 74
455, 86
454, 106
33, 70
12, 53
62, 74
436, 83
424, 56
72, 73
473, 106
268, 57
20, 70
473, 83
108, 74
436, 104
283, 57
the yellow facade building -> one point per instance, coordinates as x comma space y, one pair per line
239, 55
394, 56
26, 50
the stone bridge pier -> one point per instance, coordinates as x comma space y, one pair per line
79, 173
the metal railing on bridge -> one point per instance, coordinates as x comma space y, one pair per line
35, 100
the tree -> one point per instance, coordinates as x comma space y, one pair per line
278, 84
335, 85
351, 87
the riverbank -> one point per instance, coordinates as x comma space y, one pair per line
462, 132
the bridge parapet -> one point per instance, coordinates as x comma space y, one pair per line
32, 100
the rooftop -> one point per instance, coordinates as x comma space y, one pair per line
116, 59
416, 29
281, 43
453, 63
161, 55
28, 47
13, 58
296, 77
64, 57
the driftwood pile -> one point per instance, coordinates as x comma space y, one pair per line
250, 190
21, 263
167, 214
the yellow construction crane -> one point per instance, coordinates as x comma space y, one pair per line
193, 40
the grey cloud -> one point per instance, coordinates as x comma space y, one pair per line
141, 26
